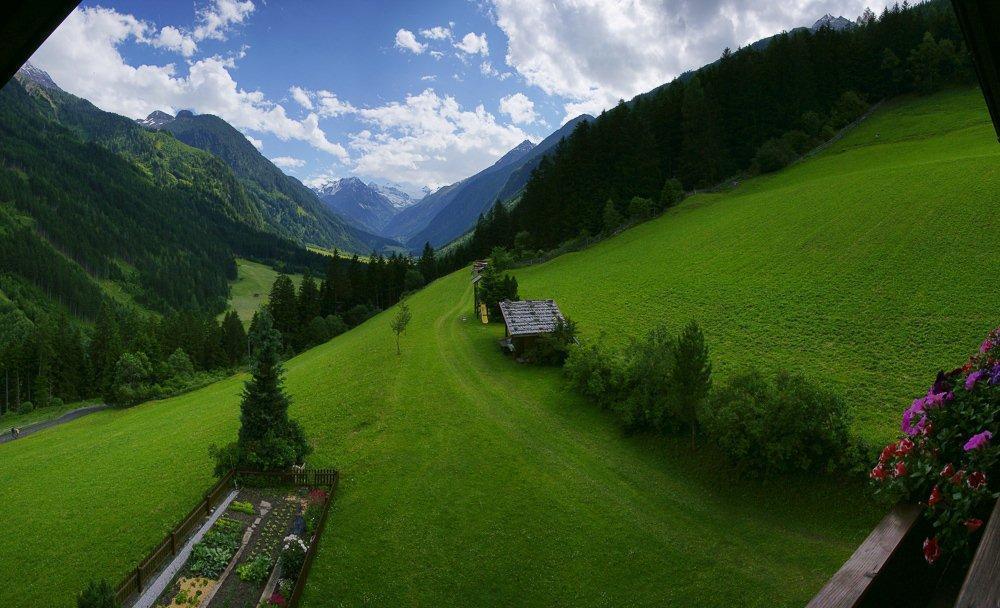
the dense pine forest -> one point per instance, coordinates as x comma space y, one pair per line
753, 110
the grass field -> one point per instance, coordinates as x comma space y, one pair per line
470, 480
250, 289
868, 268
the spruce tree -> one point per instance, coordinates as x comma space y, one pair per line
268, 439
234, 338
283, 306
428, 263
308, 300
691, 377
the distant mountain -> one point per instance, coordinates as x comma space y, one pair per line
834, 23
90, 199
36, 75
368, 206
451, 211
290, 207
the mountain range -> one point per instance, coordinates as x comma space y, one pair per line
368, 206
451, 211
292, 209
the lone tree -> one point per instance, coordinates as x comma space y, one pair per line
692, 376
268, 439
400, 321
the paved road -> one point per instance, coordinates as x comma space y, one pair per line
45, 424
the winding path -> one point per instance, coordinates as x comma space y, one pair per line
46, 424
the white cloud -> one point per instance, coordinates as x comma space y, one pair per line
82, 57
428, 78
436, 33
256, 142
594, 52
472, 44
487, 69
520, 109
173, 39
288, 162
429, 140
436, 54
216, 18
330, 105
405, 40
301, 96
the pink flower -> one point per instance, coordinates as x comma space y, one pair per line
977, 479
932, 551
978, 440
973, 524
986, 345
935, 497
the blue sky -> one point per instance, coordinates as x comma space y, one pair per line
416, 93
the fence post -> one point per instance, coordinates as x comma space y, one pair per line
138, 577
173, 542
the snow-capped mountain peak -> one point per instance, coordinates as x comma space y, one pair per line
156, 120
835, 23
397, 197
37, 75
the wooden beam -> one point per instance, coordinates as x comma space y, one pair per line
24, 27
980, 21
982, 583
847, 588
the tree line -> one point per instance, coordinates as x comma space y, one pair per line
753, 110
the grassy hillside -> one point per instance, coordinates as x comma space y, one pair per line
868, 268
252, 285
470, 480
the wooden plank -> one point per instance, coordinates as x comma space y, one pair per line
982, 583
848, 586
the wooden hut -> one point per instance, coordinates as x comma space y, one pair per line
526, 320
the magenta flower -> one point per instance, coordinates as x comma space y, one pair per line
971, 379
978, 440
986, 345
995, 375
908, 426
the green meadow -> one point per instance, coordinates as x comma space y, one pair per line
251, 288
471, 480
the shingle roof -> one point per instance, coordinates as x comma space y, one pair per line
530, 317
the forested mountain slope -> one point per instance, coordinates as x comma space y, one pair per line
290, 207
754, 110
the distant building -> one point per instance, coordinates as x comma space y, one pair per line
526, 320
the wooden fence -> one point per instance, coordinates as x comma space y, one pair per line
137, 579
333, 477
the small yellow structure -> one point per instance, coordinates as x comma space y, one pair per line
484, 314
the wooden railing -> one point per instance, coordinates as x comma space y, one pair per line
137, 579
300, 583
888, 569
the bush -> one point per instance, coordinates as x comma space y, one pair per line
595, 371
648, 383
774, 154
255, 570
97, 594
293, 555
26, 407
671, 194
777, 426
552, 349
56, 402
242, 507
358, 314
179, 364
501, 259
640, 208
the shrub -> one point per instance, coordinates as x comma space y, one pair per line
255, 570
595, 371
691, 375
97, 594
501, 259
947, 457
242, 507
777, 426
640, 208
358, 314
774, 154
56, 402
648, 383
671, 194
179, 364
26, 406
552, 349
293, 555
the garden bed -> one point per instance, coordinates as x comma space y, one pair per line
253, 554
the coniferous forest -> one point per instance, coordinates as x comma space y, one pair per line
753, 110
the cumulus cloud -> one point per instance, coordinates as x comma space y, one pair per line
520, 109
218, 16
472, 44
256, 142
486, 69
428, 78
82, 57
436, 33
436, 54
594, 52
288, 162
331, 105
406, 41
429, 140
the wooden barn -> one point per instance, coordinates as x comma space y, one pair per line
525, 320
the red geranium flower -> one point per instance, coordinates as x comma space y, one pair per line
878, 473
900, 469
973, 524
904, 447
958, 477
932, 551
948, 470
977, 479
935, 497
887, 453
277, 599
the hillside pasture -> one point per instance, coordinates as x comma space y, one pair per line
251, 288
